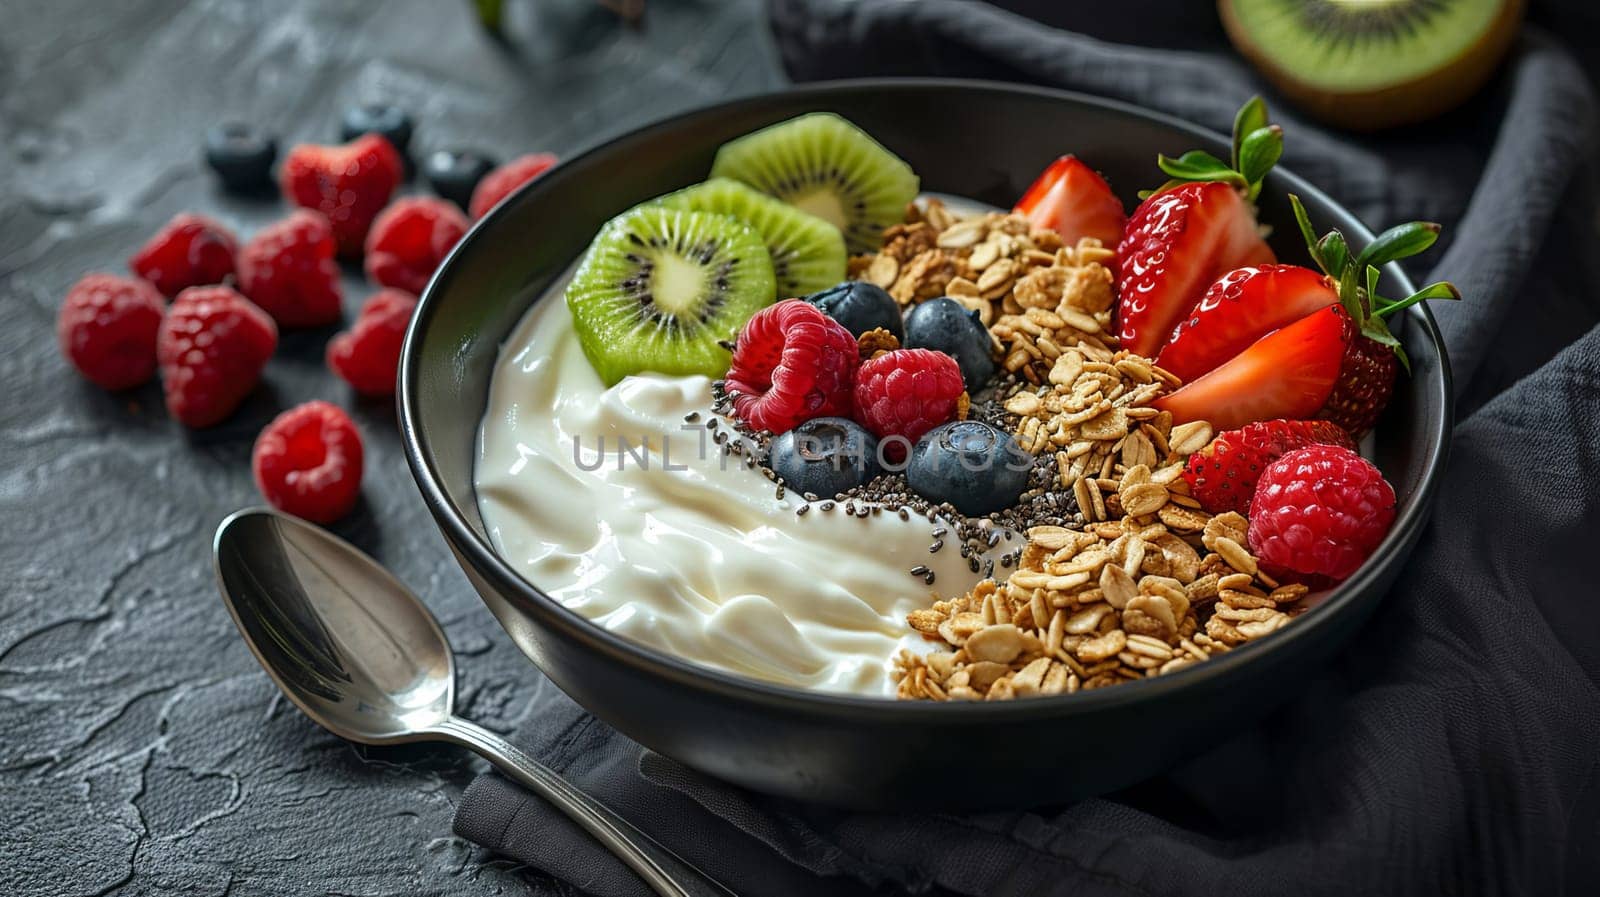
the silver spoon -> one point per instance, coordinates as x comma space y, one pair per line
353, 648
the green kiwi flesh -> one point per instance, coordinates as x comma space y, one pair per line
828, 167
660, 288
807, 253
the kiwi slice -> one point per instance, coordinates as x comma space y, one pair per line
807, 252
661, 287
828, 167
1370, 64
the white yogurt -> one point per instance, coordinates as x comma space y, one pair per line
676, 547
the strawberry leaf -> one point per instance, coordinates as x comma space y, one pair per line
1444, 289
1260, 150
1377, 331
1398, 242
1303, 218
1252, 117
1196, 165
1335, 252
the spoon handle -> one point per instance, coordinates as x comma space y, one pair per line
660, 868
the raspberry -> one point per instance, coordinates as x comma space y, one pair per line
107, 329
289, 270
504, 181
212, 346
307, 462
191, 251
1318, 512
350, 184
906, 393
1223, 475
367, 356
410, 238
791, 363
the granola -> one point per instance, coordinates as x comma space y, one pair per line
1115, 601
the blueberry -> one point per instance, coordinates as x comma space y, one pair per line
824, 456
241, 157
976, 468
950, 327
378, 118
454, 174
860, 307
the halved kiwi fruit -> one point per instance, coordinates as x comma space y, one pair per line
827, 167
660, 287
807, 252
1371, 64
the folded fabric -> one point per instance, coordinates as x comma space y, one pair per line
1453, 747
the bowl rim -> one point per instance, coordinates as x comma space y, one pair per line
725, 685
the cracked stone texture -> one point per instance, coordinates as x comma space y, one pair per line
142, 751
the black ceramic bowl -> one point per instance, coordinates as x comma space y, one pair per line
864, 752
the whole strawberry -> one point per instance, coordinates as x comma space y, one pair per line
1223, 475
367, 356
791, 363
349, 184
289, 270
409, 239
212, 346
190, 251
1367, 374
903, 394
1318, 513
107, 329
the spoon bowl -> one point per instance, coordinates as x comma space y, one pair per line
348, 643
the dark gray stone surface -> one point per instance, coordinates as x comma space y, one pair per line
142, 751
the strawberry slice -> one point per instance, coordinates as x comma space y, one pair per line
1178, 243
1238, 309
1198, 226
1287, 373
1074, 201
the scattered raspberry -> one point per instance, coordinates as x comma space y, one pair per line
367, 356
307, 462
289, 270
410, 238
212, 346
790, 364
1318, 512
906, 393
191, 251
1222, 476
107, 329
504, 181
349, 184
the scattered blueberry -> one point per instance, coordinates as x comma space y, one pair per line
824, 456
860, 307
973, 466
378, 118
948, 326
454, 174
241, 157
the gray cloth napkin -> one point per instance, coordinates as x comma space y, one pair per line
1454, 747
